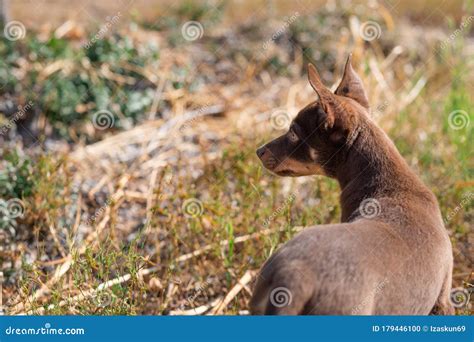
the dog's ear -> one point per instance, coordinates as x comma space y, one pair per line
351, 85
326, 97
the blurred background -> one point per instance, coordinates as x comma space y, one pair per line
128, 177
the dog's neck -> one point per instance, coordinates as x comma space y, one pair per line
373, 168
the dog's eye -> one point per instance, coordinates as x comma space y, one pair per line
292, 136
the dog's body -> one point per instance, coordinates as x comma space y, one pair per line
395, 258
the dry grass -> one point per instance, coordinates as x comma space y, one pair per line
175, 214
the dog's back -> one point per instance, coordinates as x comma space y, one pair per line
362, 267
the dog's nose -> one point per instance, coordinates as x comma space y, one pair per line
260, 151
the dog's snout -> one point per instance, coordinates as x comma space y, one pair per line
260, 152
266, 157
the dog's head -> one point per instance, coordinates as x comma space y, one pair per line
322, 131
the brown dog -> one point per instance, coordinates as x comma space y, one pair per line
391, 255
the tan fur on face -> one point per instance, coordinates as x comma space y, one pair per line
297, 168
313, 154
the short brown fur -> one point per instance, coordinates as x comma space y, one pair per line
397, 262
